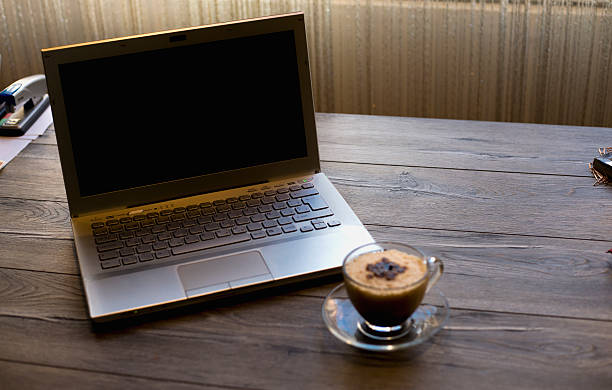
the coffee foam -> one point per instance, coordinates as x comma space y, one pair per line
415, 269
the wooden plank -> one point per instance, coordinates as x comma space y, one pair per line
569, 278
411, 197
16, 375
508, 147
491, 202
282, 341
27, 252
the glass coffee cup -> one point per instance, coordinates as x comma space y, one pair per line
386, 282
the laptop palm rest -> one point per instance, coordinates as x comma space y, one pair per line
223, 273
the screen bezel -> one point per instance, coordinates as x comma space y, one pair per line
80, 205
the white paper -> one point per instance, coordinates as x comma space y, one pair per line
11, 146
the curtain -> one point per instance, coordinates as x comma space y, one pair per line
542, 61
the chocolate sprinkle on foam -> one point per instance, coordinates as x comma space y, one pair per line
384, 269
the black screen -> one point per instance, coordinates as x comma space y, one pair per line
187, 111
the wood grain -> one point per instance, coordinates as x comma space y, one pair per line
16, 375
272, 342
567, 278
508, 147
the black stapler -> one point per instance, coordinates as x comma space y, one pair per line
21, 103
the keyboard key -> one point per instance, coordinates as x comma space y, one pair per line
110, 264
189, 223
223, 208
100, 231
158, 229
294, 202
250, 211
287, 212
207, 236
105, 239
139, 217
160, 245
132, 242
264, 208
153, 215
294, 188
283, 190
306, 228
239, 206
269, 224
130, 260
279, 205
256, 195
205, 205
112, 222
191, 239
319, 225
307, 185
149, 238
233, 239
193, 207
253, 202
284, 220
126, 235
220, 217
313, 215
208, 211
273, 214
316, 202
115, 229
204, 220
125, 219
178, 217
193, 213
163, 253
178, 210
144, 248
132, 226
108, 255
258, 234
235, 214
163, 219
254, 226
243, 198
180, 233
97, 225
142, 232
147, 223
176, 242
227, 224
218, 202
289, 228
275, 231
302, 209
196, 230
223, 233
127, 251
239, 229
282, 197
109, 246
258, 218
231, 200
333, 222
212, 226
173, 226
164, 236
146, 257
270, 193
165, 212
303, 193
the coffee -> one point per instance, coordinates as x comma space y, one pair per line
386, 287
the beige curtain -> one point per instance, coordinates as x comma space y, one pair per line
543, 61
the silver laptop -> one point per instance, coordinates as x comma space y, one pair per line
191, 165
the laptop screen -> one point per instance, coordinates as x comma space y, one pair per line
158, 116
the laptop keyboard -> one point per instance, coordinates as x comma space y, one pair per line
155, 236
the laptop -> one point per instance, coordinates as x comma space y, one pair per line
191, 166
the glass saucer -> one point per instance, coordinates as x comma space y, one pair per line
343, 321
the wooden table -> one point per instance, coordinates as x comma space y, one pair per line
510, 208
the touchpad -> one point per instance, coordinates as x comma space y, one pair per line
222, 273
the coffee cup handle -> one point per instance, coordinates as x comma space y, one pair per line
437, 268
